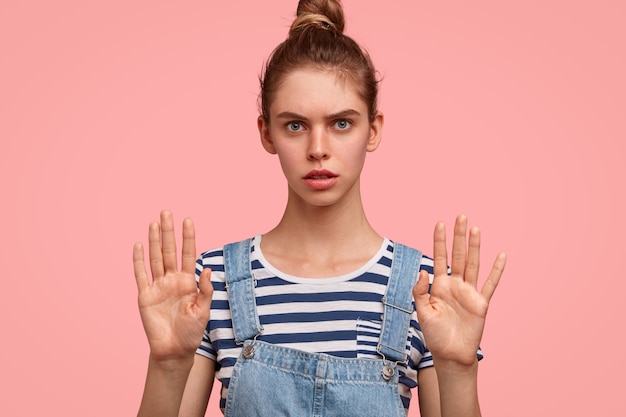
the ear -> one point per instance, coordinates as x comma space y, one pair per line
264, 133
376, 132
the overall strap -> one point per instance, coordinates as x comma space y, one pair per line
240, 287
398, 301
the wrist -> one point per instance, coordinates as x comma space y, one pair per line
165, 386
458, 388
446, 367
172, 364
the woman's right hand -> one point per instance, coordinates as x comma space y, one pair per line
174, 313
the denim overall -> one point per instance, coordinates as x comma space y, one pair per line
271, 381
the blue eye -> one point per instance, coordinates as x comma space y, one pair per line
294, 126
343, 124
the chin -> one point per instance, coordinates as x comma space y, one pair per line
326, 200
323, 198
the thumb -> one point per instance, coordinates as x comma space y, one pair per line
420, 292
206, 289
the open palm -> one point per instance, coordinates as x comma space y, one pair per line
174, 313
453, 316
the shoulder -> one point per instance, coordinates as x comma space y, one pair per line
214, 258
426, 262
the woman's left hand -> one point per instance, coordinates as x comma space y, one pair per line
452, 318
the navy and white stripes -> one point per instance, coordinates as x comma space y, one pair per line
340, 316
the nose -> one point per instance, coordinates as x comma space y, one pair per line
318, 145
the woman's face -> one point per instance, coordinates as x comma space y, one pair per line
320, 129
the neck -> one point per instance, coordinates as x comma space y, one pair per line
325, 231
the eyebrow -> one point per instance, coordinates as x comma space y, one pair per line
338, 115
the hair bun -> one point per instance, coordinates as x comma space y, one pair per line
327, 14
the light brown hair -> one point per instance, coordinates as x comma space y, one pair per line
316, 40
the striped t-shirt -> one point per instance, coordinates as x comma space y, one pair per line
339, 316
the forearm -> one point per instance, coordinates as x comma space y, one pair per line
458, 389
165, 385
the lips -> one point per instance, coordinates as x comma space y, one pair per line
320, 179
320, 174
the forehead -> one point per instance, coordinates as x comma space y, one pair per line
310, 91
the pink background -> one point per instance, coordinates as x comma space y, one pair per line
509, 111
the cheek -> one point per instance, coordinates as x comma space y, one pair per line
288, 158
352, 159
355, 148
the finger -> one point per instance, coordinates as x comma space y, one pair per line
168, 240
189, 247
139, 267
420, 293
473, 257
206, 290
154, 248
440, 254
494, 277
459, 250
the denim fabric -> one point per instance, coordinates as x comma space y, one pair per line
398, 301
271, 381
277, 381
240, 287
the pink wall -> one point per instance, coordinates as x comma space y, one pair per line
512, 112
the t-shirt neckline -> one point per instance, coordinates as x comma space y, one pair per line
258, 254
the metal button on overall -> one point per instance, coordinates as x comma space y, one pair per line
248, 351
387, 372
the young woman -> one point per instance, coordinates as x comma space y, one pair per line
316, 316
